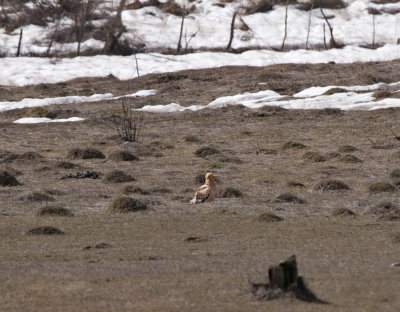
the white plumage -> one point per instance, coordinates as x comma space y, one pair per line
207, 192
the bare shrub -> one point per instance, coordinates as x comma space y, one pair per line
128, 124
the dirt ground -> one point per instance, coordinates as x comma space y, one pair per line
179, 257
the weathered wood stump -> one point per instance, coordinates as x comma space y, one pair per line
284, 282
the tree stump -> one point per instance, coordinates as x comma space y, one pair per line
284, 282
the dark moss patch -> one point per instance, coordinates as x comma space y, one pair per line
331, 185
350, 159
85, 153
38, 197
293, 145
133, 189
343, 212
380, 187
347, 149
7, 179
268, 217
45, 230
127, 204
313, 156
118, 176
231, 192
289, 198
206, 151
55, 211
122, 156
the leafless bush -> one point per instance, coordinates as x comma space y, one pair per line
128, 124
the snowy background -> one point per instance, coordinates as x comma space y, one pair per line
206, 32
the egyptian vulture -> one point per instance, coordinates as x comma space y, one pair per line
207, 192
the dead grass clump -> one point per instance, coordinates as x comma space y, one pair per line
206, 151
295, 184
118, 176
347, 149
66, 165
173, 8
380, 187
231, 192
127, 204
395, 174
260, 6
350, 159
38, 197
334, 90
85, 153
123, 156
268, 217
27, 156
161, 190
40, 112
331, 185
45, 230
323, 4
192, 139
7, 179
391, 216
289, 198
313, 156
381, 94
55, 211
343, 212
133, 189
382, 208
293, 145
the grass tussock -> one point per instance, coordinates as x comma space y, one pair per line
334, 90
295, 184
8, 179
85, 153
382, 208
66, 165
314, 156
206, 151
268, 217
55, 211
395, 174
289, 198
231, 192
134, 189
122, 156
293, 145
347, 149
331, 185
391, 216
350, 159
127, 204
118, 176
380, 187
343, 212
38, 197
45, 230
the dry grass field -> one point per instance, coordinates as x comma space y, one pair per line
310, 168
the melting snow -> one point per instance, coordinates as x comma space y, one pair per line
31, 120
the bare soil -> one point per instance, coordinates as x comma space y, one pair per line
179, 257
